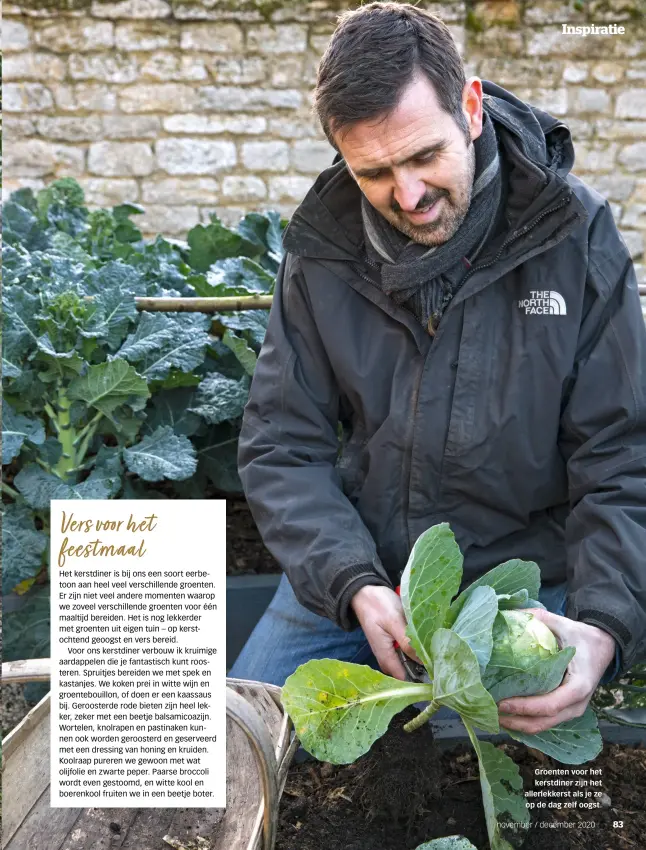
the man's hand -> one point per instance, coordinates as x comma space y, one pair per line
595, 649
380, 613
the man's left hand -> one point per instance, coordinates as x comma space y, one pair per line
595, 649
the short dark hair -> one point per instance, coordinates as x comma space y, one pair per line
374, 54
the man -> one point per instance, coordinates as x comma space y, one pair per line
465, 308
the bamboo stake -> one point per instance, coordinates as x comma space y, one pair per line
204, 305
31, 670
221, 305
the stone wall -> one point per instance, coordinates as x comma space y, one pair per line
192, 107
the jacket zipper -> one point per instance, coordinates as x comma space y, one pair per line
516, 235
409, 453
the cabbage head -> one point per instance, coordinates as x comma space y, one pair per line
520, 643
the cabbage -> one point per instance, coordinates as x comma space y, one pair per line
478, 647
519, 640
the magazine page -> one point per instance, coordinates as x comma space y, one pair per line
323, 425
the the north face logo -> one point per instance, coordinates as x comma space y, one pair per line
544, 302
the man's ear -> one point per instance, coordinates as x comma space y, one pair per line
472, 106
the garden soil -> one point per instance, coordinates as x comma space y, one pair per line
405, 791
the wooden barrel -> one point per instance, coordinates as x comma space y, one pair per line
260, 747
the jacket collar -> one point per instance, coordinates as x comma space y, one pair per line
538, 152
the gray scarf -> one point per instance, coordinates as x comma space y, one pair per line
425, 279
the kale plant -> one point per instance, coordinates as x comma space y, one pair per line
477, 647
101, 400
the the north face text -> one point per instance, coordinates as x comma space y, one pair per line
544, 302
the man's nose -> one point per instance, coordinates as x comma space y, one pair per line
408, 192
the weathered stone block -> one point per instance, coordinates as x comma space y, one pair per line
208, 10
75, 35
490, 13
319, 42
298, 128
168, 220
633, 157
311, 157
575, 72
26, 97
310, 68
211, 37
551, 12
148, 35
580, 129
634, 242
93, 97
635, 216
132, 9
171, 66
241, 188
187, 190
517, 72
237, 71
603, 11
459, 35
15, 129
195, 156
588, 100
108, 193
608, 72
553, 101
11, 9
233, 99
87, 128
249, 125
288, 72
265, 156
158, 97
290, 188
120, 159
37, 158
15, 36
9, 186
502, 40
553, 42
449, 12
636, 70
613, 129
107, 67
33, 66
614, 187
631, 104
599, 158
277, 38
131, 127
312, 12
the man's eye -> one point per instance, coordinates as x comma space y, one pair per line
372, 176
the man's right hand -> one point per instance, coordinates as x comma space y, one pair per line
380, 613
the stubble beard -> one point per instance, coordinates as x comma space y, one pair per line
455, 210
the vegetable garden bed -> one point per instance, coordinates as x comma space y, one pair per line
406, 790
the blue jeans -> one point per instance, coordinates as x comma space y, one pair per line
288, 635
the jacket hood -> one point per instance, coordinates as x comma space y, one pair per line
328, 225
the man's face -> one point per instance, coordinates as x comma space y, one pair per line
416, 166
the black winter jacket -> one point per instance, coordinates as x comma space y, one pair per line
522, 423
